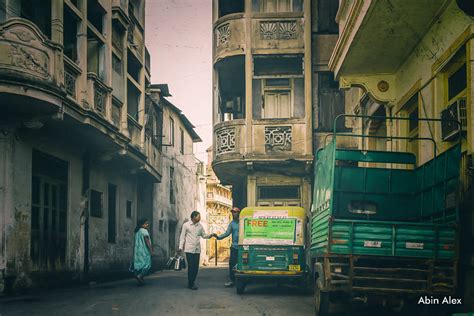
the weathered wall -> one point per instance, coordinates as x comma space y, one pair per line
421, 65
102, 254
184, 186
17, 206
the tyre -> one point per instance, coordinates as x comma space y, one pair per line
321, 302
239, 286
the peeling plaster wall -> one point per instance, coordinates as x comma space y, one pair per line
15, 202
451, 24
102, 254
16, 210
185, 189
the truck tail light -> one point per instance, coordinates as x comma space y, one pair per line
245, 257
448, 247
295, 258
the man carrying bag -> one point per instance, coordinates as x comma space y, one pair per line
189, 240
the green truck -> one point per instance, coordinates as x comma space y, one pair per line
383, 234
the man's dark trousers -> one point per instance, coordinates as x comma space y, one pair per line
193, 267
232, 262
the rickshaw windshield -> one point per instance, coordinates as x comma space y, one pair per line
272, 227
270, 231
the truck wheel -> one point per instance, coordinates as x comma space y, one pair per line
239, 286
321, 302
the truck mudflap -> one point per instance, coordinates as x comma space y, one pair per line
386, 275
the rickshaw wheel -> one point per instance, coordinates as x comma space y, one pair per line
321, 302
239, 286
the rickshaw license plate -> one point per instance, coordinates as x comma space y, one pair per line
294, 267
270, 258
372, 244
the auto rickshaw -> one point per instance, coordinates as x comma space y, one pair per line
272, 247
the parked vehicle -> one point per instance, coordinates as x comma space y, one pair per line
383, 234
271, 246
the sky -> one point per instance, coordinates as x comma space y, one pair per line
179, 37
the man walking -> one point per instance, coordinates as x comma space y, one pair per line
233, 229
189, 240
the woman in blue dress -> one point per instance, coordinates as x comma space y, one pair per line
142, 251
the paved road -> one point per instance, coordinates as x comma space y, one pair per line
166, 294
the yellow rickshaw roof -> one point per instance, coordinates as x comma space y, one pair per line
293, 211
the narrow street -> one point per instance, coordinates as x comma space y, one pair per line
165, 293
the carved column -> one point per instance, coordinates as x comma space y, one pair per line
82, 89
307, 78
57, 21
248, 77
108, 60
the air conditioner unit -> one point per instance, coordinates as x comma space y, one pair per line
456, 111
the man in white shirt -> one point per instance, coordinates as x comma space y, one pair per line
189, 240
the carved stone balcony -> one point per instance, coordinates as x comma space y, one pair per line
229, 139
283, 144
278, 33
229, 36
213, 197
29, 59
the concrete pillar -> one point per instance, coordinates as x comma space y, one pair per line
6, 195
124, 112
82, 90
251, 191
248, 74
470, 93
57, 19
108, 58
307, 78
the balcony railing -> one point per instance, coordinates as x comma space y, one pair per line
225, 140
100, 95
216, 198
70, 82
230, 36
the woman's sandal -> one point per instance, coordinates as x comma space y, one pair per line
139, 279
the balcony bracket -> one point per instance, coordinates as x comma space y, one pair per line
380, 88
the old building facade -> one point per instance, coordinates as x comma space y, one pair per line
328, 101
182, 188
218, 205
78, 164
262, 100
414, 59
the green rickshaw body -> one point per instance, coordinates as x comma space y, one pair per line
271, 244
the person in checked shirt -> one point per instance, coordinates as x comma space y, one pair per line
233, 229
189, 240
